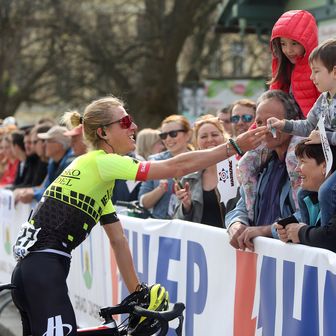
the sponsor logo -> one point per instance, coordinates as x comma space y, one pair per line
223, 175
56, 327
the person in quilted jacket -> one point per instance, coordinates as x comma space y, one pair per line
293, 38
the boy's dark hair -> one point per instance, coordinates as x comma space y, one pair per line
325, 52
315, 152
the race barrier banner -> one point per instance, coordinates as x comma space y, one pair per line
280, 289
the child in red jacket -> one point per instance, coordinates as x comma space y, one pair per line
294, 36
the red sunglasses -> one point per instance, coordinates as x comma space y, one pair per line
124, 122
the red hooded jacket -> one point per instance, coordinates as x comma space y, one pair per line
298, 25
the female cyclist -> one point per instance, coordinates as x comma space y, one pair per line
78, 199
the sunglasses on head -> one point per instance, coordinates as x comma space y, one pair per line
172, 134
125, 122
245, 118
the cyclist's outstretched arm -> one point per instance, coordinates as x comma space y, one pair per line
189, 162
122, 254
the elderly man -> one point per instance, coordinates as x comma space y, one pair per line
273, 197
60, 155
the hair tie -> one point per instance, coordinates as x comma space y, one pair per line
81, 120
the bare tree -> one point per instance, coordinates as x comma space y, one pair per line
134, 48
59, 51
27, 53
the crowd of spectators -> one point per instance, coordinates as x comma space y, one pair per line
271, 187
32, 156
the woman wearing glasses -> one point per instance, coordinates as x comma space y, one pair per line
80, 198
159, 195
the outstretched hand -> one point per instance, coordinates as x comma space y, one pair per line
252, 138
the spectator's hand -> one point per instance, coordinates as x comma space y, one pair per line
17, 195
252, 138
275, 123
234, 231
314, 138
293, 232
245, 240
281, 232
26, 195
184, 195
163, 185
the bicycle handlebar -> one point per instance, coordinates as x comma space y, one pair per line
167, 315
7, 286
163, 316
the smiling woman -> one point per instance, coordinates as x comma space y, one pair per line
199, 199
312, 170
159, 195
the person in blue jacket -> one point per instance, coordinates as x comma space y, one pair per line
312, 170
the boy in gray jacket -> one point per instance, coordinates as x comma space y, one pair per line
322, 61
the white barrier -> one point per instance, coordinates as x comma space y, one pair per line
278, 290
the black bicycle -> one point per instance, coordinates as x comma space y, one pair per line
157, 320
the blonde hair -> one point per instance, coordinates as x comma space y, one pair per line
208, 119
97, 114
145, 140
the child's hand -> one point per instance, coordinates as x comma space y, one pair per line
275, 123
314, 138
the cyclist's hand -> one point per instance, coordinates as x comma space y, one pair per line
251, 139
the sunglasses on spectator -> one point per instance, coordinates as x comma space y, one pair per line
125, 122
172, 134
245, 118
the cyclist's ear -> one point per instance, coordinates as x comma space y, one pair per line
101, 133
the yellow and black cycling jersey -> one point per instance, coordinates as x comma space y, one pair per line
80, 197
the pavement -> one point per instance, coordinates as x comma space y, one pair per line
10, 322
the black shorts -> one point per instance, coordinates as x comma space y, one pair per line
42, 295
